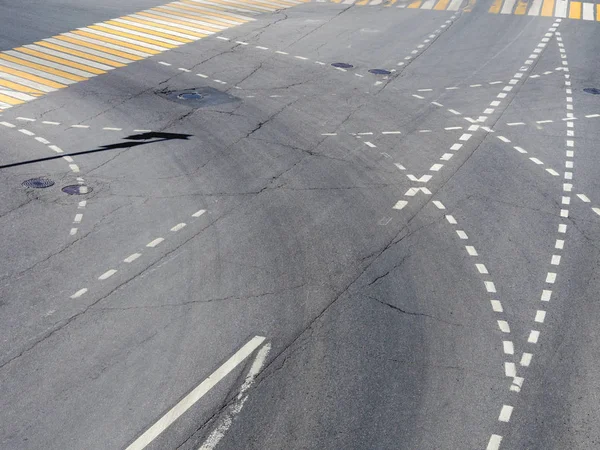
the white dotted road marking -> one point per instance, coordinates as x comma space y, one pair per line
155, 242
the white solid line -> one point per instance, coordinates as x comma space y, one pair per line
80, 126
107, 274
79, 293
155, 242
199, 213
227, 419
112, 129
505, 413
189, 400
391, 132
132, 257
178, 227
418, 96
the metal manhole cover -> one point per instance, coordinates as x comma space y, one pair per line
77, 189
190, 96
380, 71
38, 183
342, 65
594, 91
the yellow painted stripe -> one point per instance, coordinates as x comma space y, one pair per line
132, 36
415, 4
598, 12
147, 31
548, 8
31, 77
226, 4
203, 18
521, 7
495, 8
213, 12
19, 87
10, 100
183, 22
167, 27
66, 62
441, 5
362, 2
100, 48
246, 4
43, 68
575, 10
116, 42
70, 51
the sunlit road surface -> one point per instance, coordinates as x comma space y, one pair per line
275, 224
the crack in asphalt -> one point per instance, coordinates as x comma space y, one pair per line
410, 313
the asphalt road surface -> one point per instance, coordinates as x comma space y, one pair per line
269, 224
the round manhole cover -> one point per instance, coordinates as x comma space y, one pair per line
190, 96
343, 65
76, 189
38, 183
594, 91
380, 71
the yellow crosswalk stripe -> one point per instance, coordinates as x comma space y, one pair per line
200, 16
521, 7
10, 100
164, 45
47, 69
598, 12
35, 78
60, 60
247, 7
19, 87
120, 43
99, 47
87, 56
200, 8
166, 38
548, 8
575, 10
415, 4
162, 26
495, 8
441, 5
180, 22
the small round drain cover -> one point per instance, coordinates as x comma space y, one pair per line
380, 71
38, 183
76, 189
594, 91
190, 96
343, 65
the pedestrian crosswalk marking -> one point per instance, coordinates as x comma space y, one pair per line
548, 8
33, 70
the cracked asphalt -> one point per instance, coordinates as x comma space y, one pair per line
378, 313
